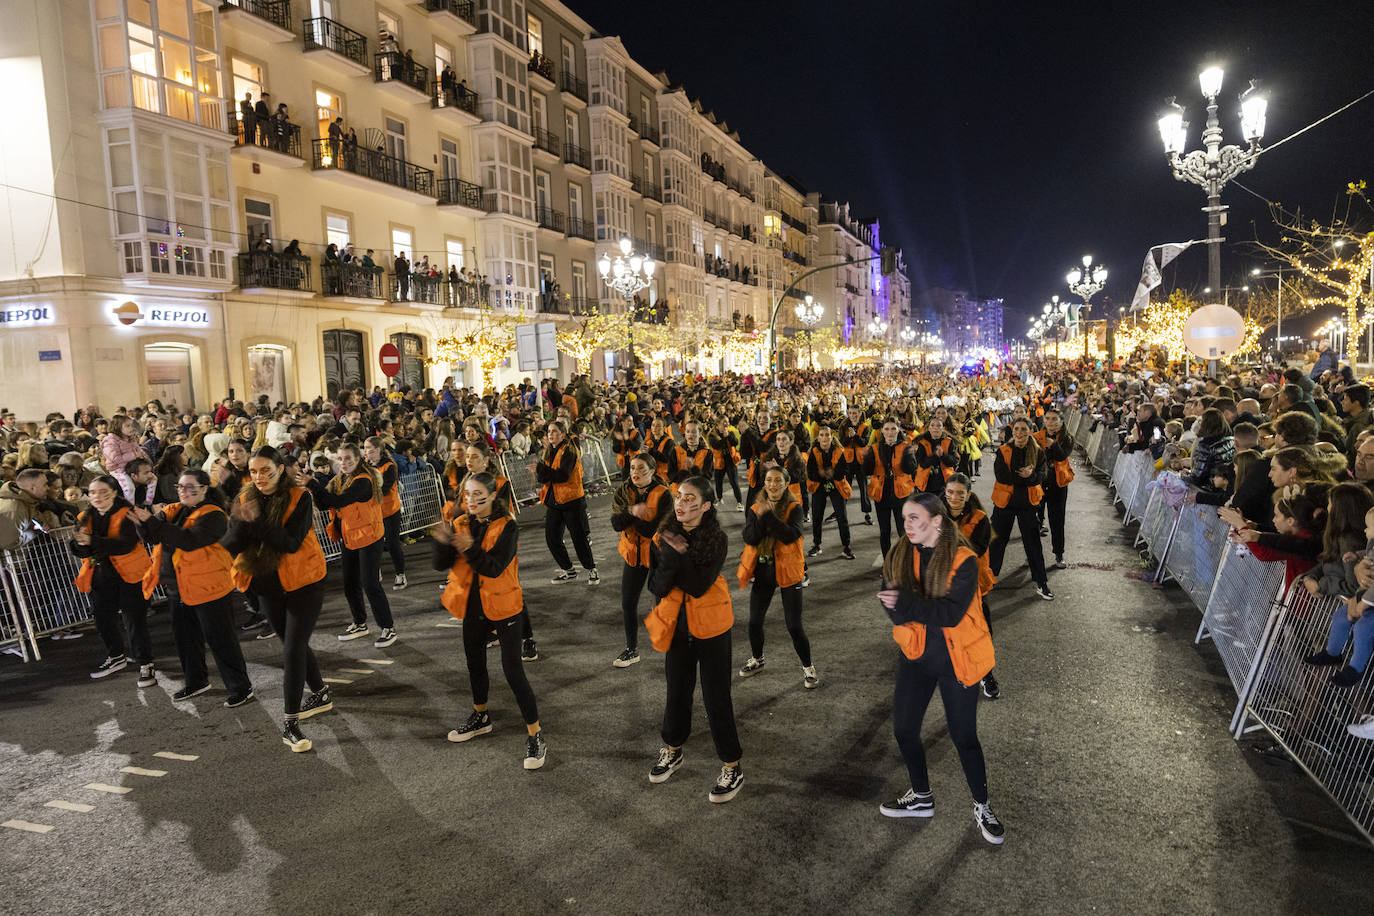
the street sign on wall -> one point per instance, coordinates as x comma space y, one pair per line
390, 359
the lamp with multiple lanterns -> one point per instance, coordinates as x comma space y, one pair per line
810, 313
629, 273
1086, 283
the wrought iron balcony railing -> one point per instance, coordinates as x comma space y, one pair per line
276, 134
277, 12
541, 64
335, 154
393, 66
576, 155
457, 96
460, 192
335, 36
571, 84
352, 280
550, 143
259, 269
548, 218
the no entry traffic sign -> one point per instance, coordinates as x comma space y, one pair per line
390, 358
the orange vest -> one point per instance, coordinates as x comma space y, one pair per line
662, 450
693, 461
923, 473
131, 566
856, 444
295, 570
986, 580
391, 502
357, 524
1001, 492
633, 546
969, 642
841, 483
628, 449
203, 575
1063, 472
571, 489
902, 483
501, 597
707, 616
789, 568
724, 457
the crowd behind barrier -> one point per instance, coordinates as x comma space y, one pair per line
1261, 634
38, 597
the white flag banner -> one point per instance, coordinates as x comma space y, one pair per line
1150, 276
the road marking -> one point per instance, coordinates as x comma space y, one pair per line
25, 825
356, 670
378, 661
103, 787
140, 771
336, 680
449, 625
168, 755
61, 805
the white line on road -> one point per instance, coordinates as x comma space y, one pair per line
25, 825
448, 625
140, 771
61, 805
356, 670
378, 661
104, 787
168, 755
336, 680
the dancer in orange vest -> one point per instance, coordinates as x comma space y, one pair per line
626, 442
196, 573
559, 471
1019, 468
691, 625
889, 465
827, 477
855, 436
278, 558
930, 592
480, 551
1057, 444
967, 512
354, 501
638, 509
724, 444
374, 450
773, 561
113, 561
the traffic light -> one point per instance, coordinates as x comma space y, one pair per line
889, 260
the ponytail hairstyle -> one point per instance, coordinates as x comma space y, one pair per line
500, 503
1347, 504
899, 566
973, 501
338, 484
1032, 447
1305, 504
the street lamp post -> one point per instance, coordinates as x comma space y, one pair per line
909, 335
1056, 314
627, 275
1086, 283
1214, 166
810, 312
877, 327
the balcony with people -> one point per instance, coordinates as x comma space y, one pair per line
269, 20
460, 15
450, 96
262, 267
341, 156
400, 73
273, 139
337, 45
344, 274
541, 72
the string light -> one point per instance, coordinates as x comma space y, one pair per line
1349, 292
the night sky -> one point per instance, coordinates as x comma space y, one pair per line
999, 142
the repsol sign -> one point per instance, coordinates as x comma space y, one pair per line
131, 314
27, 317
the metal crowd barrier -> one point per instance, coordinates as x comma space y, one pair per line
599, 471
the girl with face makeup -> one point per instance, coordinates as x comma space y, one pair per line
638, 509
113, 562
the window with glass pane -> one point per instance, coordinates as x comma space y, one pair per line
535, 28
402, 242
328, 106
337, 230
454, 249
448, 158
574, 201
395, 138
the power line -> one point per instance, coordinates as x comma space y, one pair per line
1319, 121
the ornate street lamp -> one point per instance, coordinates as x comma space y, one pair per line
810, 313
1085, 284
1213, 167
629, 273
877, 328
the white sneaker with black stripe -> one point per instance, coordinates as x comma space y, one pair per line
727, 785
567, 575
387, 637
354, 631
910, 804
988, 824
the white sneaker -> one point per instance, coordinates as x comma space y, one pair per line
400, 582
751, 667
593, 577
810, 679
1362, 729
354, 631
387, 638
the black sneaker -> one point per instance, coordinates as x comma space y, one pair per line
668, 761
847, 553
317, 703
1044, 532
829, 518
593, 577
353, 631
1323, 659
387, 637
626, 658
252, 624
990, 688
987, 822
566, 575
536, 749
109, 666
752, 667
291, 736
529, 652
268, 633
493, 640
1346, 677
868, 519
1043, 590
814, 551
910, 804
146, 676
727, 784
186, 693
479, 723
239, 699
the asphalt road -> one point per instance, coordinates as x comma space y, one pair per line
1108, 758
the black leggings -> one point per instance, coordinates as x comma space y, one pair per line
574, 518
109, 600
727, 473
293, 616
1053, 505
212, 622
393, 543
685, 655
860, 482
1026, 520
761, 596
915, 687
362, 574
889, 517
632, 579
475, 629
818, 501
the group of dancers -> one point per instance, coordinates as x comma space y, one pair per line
937, 572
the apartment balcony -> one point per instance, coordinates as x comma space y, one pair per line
541, 74
361, 167
547, 146
350, 281
550, 219
267, 20
336, 45
263, 270
709, 217
404, 78
648, 133
578, 306
794, 222
851, 289
459, 103
581, 230
455, 192
650, 250
574, 90
794, 257
773, 203
461, 15
274, 142
424, 290
577, 157
646, 188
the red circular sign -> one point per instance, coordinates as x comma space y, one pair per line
390, 358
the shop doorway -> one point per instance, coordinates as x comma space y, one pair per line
267, 370
168, 374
